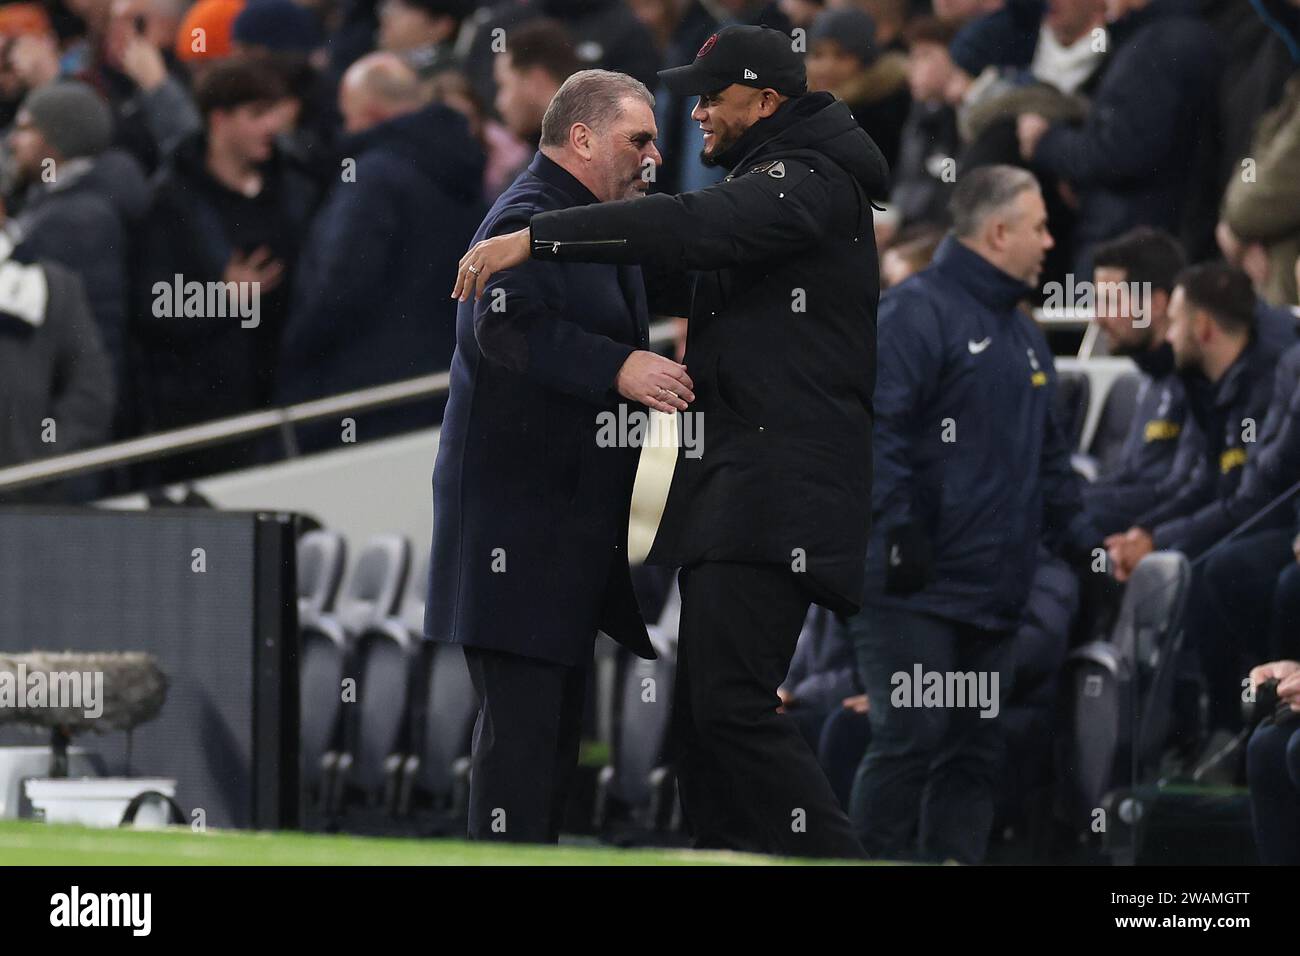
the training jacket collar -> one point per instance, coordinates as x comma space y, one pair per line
982, 279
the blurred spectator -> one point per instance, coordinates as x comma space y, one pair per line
229, 207
1135, 158
206, 34
660, 18
910, 252
960, 11
423, 32
506, 153
1060, 42
57, 380
276, 26
136, 69
1260, 228
972, 472
604, 33
843, 58
78, 204
1155, 460
288, 37
28, 55
370, 301
801, 13
890, 17
1262, 40
538, 58
1273, 770
928, 144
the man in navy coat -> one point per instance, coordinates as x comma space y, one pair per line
530, 509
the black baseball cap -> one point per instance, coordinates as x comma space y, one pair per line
760, 57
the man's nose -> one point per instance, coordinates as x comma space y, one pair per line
1048, 241
653, 153
699, 113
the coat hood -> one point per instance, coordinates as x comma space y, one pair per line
436, 141
823, 124
113, 175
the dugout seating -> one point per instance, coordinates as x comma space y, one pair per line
1113, 423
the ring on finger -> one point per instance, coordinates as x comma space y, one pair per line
475, 270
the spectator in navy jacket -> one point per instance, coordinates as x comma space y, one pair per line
369, 304
1135, 159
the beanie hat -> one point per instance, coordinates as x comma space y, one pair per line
215, 18
279, 25
851, 28
24, 19
71, 116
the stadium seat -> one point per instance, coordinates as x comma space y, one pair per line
1119, 692
637, 789
323, 665
321, 557
1113, 423
411, 613
1073, 392
434, 786
378, 730
377, 724
374, 584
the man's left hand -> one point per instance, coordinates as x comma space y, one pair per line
1132, 548
487, 257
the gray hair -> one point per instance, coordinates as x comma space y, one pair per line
590, 97
984, 191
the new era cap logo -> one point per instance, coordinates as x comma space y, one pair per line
750, 75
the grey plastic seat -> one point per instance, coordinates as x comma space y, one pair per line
321, 558
436, 771
322, 667
1114, 422
374, 584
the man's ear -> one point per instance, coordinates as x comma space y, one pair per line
995, 233
580, 138
769, 103
1202, 326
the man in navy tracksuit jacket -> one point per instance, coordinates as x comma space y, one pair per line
1159, 450
972, 472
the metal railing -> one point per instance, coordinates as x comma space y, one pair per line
238, 427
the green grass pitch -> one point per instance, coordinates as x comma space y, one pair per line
28, 843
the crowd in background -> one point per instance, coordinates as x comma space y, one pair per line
341, 154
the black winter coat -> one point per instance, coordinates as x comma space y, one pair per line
781, 342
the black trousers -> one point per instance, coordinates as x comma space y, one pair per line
1230, 609
525, 746
747, 778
